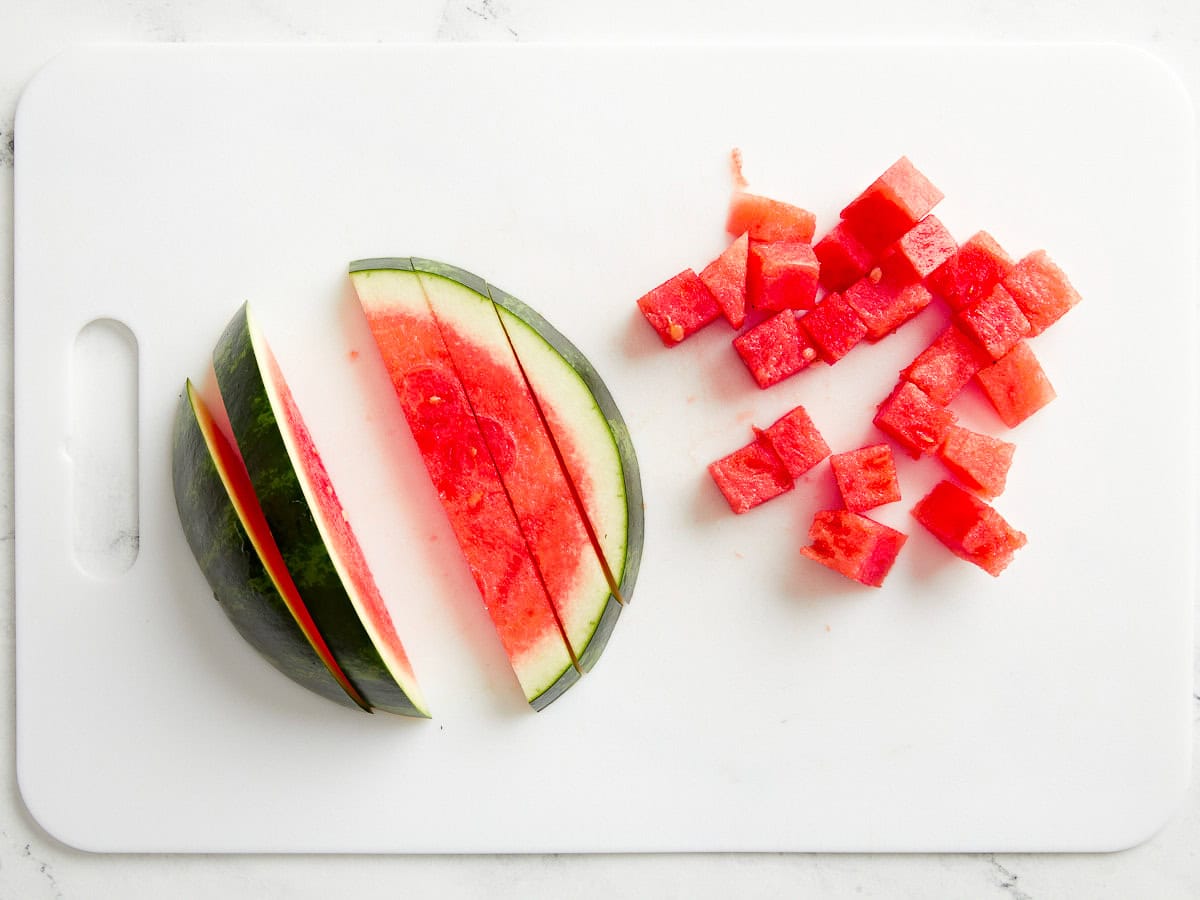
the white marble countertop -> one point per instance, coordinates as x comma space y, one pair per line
34, 865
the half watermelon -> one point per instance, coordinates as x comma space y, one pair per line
303, 513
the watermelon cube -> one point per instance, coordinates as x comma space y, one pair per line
866, 477
891, 205
795, 440
884, 304
913, 420
765, 219
781, 275
994, 321
920, 250
969, 527
979, 461
943, 368
1041, 290
775, 349
843, 258
833, 327
750, 475
1016, 385
679, 307
853, 545
977, 267
725, 278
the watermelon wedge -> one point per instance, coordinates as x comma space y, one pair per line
225, 528
302, 511
550, 514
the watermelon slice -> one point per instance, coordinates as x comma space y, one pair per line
725, 278
884, 303
794, 438
302, 511
764, 219
866, 477
943, 368
920, 250
843, 257
464, 468
979, 461
910, 417
1016, 385
971, 273
891, 205
970, 528
834, 328
229, 537
775, 349
750, 476
1041, 289
994, 321
853, 545
781, 275
679, 307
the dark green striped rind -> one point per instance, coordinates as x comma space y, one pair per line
231, 565
257, 431
560, 686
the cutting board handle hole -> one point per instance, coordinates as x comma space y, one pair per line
102, 445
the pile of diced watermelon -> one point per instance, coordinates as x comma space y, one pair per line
795, 304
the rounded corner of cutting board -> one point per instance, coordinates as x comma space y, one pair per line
61, 823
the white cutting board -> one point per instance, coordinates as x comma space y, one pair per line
749, 700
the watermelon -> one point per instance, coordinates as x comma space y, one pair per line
550, 511
853, 545
971, 273
1041, 289
464, 466
225, 529
884, 303
781, 275
833, 327
891, 205
725, 278
1016, 385
920, 250
775, 349
765, 219
913, 420
750, 476
794, 438
679, 307
994, 321
968, 527
979, 461
866, 477
310, 527
843, 257
943, 368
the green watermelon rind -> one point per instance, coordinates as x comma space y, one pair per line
231, 563
292, 522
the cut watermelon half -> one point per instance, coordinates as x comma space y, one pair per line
302, 511
229, 537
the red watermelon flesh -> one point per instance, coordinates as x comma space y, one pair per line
834, 327
884, 304
891, 205
464, 474
765, 219
774, 349
979, 461
794, 438
550, 520
1016, 385
843, 257
1041, 289
679, 307
970, 528
725, 278
781, 275
971, 273
866, 477
913, 420
943, 368
994, 321
853, 545
750, 476
920, 250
